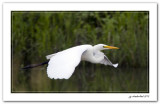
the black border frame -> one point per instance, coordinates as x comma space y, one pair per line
147, 92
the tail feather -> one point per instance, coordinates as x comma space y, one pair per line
49, 56
34, 65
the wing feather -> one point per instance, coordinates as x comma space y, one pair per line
62, 64
106, 61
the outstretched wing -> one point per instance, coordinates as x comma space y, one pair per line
106, 61
62, 64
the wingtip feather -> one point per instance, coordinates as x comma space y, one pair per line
115, 65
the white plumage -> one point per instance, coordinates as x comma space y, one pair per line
63, 64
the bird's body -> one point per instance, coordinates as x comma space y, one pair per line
62, 64
92, 56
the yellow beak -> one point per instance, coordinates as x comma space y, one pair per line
110, 47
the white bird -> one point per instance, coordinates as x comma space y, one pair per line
62, 64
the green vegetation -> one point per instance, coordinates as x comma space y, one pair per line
37, 34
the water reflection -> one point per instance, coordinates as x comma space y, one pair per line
95, 78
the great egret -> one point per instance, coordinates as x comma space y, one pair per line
61, 65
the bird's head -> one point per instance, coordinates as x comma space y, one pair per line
104, 47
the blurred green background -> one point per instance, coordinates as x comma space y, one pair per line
37, 34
